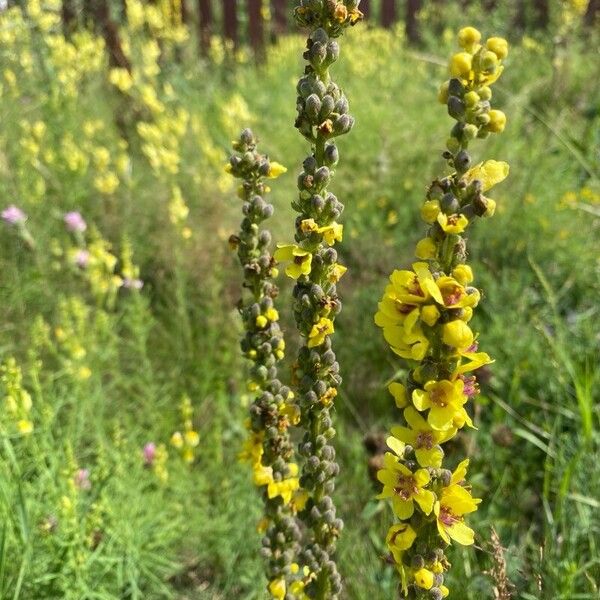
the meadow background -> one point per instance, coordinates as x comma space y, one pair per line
95, 366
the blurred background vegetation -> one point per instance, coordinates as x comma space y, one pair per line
125, 113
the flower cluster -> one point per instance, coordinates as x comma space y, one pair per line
268, 448
313, 262
425, 313
187, 441
17, 400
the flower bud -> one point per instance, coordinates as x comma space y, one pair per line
499, 46
312, 106
331, 155
497, 121
456, 107
460, 65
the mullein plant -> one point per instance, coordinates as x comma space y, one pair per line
312, 262
268, 448
424, 314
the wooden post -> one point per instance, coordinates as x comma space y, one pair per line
230, 22
204, 25
279, 11
388, 13
411, 23
256, 28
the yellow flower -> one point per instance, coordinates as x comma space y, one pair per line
261, 321
454, 503
497, 121
426, 249
475, 361
275, 170
277, 588
300, 260
400, 537
332, 233
121, 79
452, 223
25, 426
423, 438
308, 225
177, 440
398, 391
445, 399
463, 274
319, 332
458, 335
424, 578
430, 315
191, 438
430, 210
405, 487
336, 272
340, 13
490, 173
454, 294
468, 37
499, 46
460, 65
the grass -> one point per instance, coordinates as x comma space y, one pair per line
130, 536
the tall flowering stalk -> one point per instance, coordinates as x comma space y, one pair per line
313, 263
424, 314
268, 448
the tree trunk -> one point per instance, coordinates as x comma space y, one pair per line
365, 8
279, 10
256, 27
412, 24
204, 25
592, 13
100, 13
542, 13
69, 17
388, 13
230, 23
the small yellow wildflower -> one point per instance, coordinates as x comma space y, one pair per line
454, 503
423, 438
275, 170
405, 487
400, 537
277, 588
398, 391
300, 260
460, 65
490, 173
499, 46
452, 223
497, 121
319, 332
445, 399
424, 578
457, 334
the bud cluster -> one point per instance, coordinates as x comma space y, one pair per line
424, 314
268, 448
313, 262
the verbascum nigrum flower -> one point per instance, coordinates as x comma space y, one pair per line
268, 448
425, 313
312, 261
